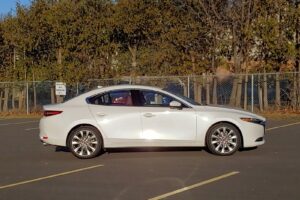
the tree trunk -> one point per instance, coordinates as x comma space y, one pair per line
21, 99
196, 89
133, 51
59, 56
277, 92
34, 92
215, 83
1, 99
6, 96
214, 78
200, 93
236, 64
298, 90
260, 94
233, 91
185, 89
13, 96
246, 92
294, 93
34, 97
207, 90
13, 85
265, 91
297, 44
195, 80
59, 99
53, 95
239, 91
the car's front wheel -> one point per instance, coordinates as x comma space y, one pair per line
223, 139
85, 142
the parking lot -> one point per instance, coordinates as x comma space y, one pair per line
29, 170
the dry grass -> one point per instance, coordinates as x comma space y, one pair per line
289, 115
13, 115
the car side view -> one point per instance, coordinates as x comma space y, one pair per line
143, 116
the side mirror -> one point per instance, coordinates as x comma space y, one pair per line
175, 104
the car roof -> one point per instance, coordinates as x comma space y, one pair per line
121, 87
83, 96
128, 86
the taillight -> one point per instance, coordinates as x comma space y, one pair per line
48, 113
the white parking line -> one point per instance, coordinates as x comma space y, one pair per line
29, 129
18, 123
194, 186
48, 177
286, 125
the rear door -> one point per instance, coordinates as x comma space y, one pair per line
117, 117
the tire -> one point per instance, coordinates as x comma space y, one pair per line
85, 142
223, 139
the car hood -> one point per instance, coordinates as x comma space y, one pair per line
228, 109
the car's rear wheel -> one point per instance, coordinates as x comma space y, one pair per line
85, 142
223, 139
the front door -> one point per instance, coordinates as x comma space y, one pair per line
165, 124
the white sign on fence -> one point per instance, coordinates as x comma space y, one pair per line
60, 89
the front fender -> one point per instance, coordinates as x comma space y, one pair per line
204, 123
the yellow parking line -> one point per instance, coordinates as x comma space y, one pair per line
194, 186
286, 125
48, 177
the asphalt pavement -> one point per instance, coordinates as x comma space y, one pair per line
29, 170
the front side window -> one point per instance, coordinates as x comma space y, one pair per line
191, 101
115, 98
153, 98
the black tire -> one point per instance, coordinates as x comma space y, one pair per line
223, 139
85, 142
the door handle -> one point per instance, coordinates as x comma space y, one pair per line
101, 114
149, 115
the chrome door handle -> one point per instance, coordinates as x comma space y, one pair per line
101, 114
149, 115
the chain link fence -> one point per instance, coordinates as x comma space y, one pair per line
253, 92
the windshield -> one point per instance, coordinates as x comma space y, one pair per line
189, 100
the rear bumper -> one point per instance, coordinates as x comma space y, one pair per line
51, 132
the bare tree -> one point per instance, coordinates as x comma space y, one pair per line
241, 14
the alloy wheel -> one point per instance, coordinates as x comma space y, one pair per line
84, 143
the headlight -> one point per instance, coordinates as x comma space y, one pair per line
254, 120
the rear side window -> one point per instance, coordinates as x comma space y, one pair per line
115, 98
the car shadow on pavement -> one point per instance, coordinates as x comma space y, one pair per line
152, 149
61, 149
248, 149
138, 149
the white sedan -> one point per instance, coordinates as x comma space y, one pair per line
142, 116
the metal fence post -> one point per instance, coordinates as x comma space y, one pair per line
188, 87
252, 92
27, 99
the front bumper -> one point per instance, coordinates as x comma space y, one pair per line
253, 134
